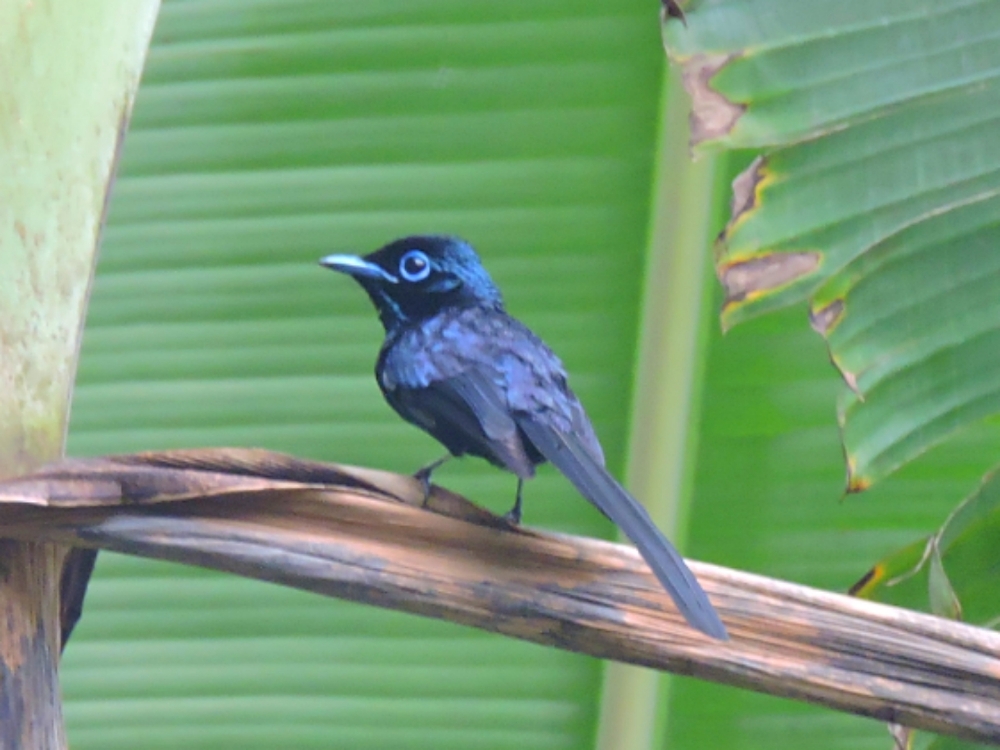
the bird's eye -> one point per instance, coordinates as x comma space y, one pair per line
414, 266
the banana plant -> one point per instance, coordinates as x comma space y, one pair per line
873, 196
266, 135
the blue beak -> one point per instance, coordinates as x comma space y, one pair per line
357, 267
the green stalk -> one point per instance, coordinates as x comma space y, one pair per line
666, 401
68, 71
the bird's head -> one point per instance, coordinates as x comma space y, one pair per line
415, 278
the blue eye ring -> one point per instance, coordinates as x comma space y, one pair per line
414, 266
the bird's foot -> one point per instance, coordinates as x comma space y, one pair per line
513, 516
423, 475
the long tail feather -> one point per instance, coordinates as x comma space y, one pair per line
594, 482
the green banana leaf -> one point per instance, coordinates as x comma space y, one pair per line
874, 193
877, 198
953, 571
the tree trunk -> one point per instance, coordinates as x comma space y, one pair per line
30, 704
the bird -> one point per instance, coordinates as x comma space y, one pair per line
455, 364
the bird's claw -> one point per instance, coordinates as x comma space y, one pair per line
424, 477
513, 516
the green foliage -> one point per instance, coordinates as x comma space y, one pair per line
955, 565
57, 158
875, 197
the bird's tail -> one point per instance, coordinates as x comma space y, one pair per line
595, 483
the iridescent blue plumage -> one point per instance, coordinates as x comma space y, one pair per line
455, 364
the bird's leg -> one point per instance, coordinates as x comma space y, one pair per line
514, 514
424, 475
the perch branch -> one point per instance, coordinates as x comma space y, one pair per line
360, 535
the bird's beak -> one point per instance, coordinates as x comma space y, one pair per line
357, 267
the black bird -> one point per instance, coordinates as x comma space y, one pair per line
455, 364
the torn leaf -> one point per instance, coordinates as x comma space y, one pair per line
672, 9
745, 196
825, 318
757, 275
712, 114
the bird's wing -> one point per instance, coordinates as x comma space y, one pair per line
469, 408
575, 459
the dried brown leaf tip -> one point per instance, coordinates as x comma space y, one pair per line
753, 277
744, 199
824, 319
850, 379
855, 483
746, 187
712, 115
756, 273
862, 586
672, 9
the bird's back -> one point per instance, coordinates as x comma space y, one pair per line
494, 361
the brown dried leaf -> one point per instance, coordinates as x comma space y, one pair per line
672, 9
362, 535
762, 273
712, 114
